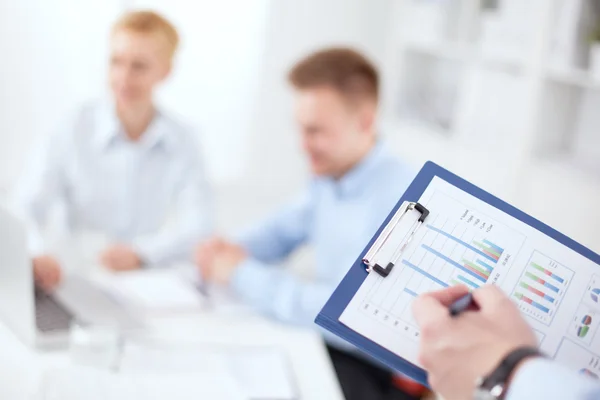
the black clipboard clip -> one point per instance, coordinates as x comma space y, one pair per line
369, 258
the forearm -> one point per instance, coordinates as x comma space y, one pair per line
283, 296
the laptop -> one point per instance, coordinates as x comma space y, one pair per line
43, 319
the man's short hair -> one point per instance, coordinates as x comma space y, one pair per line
343, 69
145, 21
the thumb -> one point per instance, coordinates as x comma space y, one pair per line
489, 297
449, 295
428, 310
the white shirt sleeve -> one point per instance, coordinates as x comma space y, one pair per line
192, 222
546, 380
42, 185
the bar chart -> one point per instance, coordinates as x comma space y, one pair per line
578, 357
457, 245
541, 287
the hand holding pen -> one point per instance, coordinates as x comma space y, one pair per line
464, 335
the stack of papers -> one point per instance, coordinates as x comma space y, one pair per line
91, 384
155, 291
260, 373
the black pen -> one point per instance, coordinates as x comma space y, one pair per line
461, 305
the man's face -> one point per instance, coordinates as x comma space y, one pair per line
138, 63
333, 132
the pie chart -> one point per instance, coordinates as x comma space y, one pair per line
595, 294
582, 331
587, 372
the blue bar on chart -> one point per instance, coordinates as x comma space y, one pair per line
408, 291
493, 246
467, 281
485, 265
535, 304
424, 273
547, 272
481, 252
454, 263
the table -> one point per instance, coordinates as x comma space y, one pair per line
21, 367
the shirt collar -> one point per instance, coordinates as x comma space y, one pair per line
361, 174
110, 131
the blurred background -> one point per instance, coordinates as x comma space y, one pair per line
502, 92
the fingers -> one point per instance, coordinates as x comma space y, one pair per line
489, 297
207, 251
428, 310
433, 306
449, 295
47, 272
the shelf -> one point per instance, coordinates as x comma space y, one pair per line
501, 62
443, 49
462, 52
573, 76
409, 137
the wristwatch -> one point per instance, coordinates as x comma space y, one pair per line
495, 385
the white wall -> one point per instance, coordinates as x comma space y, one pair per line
296, 28
215, 80
53, 56
229, 80
275, 169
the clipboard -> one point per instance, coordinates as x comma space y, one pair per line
329, 317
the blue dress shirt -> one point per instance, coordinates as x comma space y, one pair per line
337, 218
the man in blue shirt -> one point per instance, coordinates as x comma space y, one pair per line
356, 184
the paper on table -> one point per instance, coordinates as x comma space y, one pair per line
261, 373
91, 384
155, 290
220, 299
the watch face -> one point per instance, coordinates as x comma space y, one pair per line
481, 394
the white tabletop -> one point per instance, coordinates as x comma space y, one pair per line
22, 367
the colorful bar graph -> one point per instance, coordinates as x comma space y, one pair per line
424, 273
485, 255
498, 249
536, 291
535, 304
467, 281
493, 254
475, 274
475, 268
408, 291
539, 280
454, 282
485, 265
547, 272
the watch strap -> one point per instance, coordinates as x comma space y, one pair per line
496, 382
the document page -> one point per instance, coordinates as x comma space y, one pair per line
92, 384
260, 372
467, 241
156, 290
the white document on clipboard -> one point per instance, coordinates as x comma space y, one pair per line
466, 241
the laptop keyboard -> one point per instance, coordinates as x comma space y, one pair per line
50, 316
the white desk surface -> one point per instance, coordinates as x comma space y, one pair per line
21, 367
